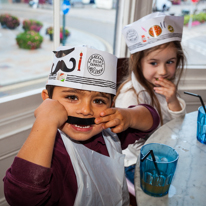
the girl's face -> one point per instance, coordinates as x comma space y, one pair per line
82, 104
160, 63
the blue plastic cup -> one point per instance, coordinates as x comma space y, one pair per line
201, 125
156, 180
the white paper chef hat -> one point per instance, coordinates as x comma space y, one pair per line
83, 67
152, 30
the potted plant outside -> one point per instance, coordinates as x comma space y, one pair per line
50, 32
9, 21
29, 40
33, 25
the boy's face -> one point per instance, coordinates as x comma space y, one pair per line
82, 104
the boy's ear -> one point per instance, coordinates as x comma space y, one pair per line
44, 94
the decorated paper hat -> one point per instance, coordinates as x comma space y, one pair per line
83, 67
152, 30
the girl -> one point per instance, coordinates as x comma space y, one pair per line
155, 67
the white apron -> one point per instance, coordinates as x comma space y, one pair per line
100, 179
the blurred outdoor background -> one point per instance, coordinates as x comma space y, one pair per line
27, 27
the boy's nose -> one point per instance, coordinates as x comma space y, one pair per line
86, 109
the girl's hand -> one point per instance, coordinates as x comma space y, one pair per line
117, 119
168, 89
52, 113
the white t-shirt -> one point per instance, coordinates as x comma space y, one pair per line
128, 97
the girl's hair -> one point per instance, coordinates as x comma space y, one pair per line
135, 66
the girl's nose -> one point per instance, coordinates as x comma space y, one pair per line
162, 70
86, 109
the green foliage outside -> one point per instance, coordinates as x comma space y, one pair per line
201, 17
9, 21
29, 40
50, 30
33, 25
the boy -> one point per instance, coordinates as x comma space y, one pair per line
71, 157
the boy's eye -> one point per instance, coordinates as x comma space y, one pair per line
99, 101
72, 97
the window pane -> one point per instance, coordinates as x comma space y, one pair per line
27, 69
24, 69
194, 31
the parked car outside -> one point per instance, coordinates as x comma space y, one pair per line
76, 2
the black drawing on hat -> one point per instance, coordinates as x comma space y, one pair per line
62, 66
63, 53
96, 65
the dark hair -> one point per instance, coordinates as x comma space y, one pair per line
50, 89
135, 66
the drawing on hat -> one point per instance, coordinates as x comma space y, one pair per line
62, 66
83, 67
61, 77
155, 31
170, 28
96, 65
132, 35
144, 29
144, 38
80, 60
63, 53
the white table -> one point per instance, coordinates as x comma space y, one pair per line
189, 182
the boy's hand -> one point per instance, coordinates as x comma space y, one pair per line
51, 113
168, 89
117, 119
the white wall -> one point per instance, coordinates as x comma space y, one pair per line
16, 120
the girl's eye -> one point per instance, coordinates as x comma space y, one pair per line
170, 62
153, 63
72, 97
99, 101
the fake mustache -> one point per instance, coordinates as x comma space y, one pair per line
80, 121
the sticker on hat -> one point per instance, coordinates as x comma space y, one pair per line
61, 76
170, 28
154, 29
132, 35
83, 67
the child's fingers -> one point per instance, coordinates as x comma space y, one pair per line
169, 94
164, 91
100, 120
160, 90
112, 123
164, 83
117, 129
108, 112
